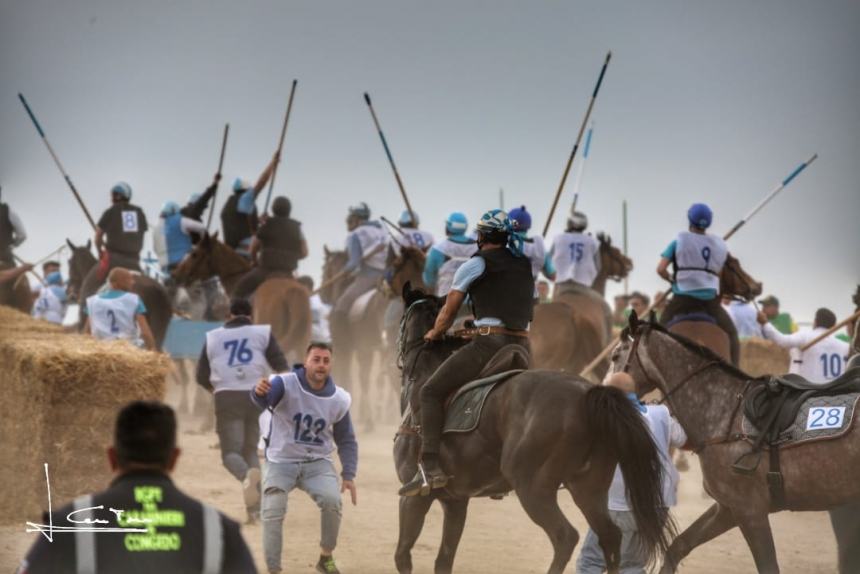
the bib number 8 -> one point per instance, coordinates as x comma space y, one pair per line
129, 221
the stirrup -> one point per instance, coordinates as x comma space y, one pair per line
740, 468
422, 483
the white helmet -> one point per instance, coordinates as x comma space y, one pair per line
577, 221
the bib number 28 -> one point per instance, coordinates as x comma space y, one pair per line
825, 418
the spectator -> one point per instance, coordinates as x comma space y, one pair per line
782, 321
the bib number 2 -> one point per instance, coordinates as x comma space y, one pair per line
825, 418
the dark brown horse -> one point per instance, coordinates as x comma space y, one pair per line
281, 302
569, 332
705, 393
17, 295
159, 309
538, 430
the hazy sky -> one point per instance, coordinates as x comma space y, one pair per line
703, 101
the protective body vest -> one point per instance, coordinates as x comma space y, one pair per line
50, 305
303, 423
124, 226
114, 318
505, 290
178, 242
699, 259
281, 242
575, 255
417, 238
370, 236
237, 356
535, 251
235, 225
455, 255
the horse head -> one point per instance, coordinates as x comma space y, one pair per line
80, 263
408, 268
736, 282
613, 263
333, 263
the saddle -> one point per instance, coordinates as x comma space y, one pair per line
772, 405
700, 316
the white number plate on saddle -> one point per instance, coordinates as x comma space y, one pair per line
825, 417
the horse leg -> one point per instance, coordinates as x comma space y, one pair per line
714, 522
413, 510
452, 531
365, 367
595, 510
756, 530
540, 501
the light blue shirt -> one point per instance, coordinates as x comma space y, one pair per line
465, 275
247, 203
703, 294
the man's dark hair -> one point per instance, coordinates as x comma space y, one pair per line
639, 295
47, 264
319, 345
240, 307
281, 207
494, 237
307, 281
145, 433
825, 318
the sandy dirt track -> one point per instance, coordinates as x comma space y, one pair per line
499, 536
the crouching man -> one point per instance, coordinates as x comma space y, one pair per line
310, 416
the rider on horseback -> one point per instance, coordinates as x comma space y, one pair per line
365, 246
698, 260
446, 256
576, 256
239, 218
500, 286
197, 204
412, 236
280, 244
533, 247
173, 236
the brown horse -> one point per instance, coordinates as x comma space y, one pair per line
281, 302
537, 431
705, 394
159, 309
569, 332
18, 295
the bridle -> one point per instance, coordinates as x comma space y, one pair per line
658, 381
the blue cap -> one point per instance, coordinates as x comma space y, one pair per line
406, 219
521, 218
700, 215
169, 208
122, 189
456, 224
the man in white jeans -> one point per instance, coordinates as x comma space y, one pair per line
310, 416
667, 433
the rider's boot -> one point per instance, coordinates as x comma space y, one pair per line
430, 476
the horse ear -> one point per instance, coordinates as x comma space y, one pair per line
70, 244
89, 244
633, 321
215, 236
326, 251
652, 317
406, 292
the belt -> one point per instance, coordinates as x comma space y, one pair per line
487, 330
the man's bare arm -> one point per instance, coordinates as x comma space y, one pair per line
446, 316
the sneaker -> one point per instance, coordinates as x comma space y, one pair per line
424, 481
251, 488
326, 565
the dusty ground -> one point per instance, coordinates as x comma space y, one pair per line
499, 536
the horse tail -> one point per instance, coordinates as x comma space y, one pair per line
620, 429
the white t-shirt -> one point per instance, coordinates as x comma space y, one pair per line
822, 362
576, 257
666, 433
744, 316
534, 249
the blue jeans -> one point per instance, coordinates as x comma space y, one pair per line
319, 479
591, 559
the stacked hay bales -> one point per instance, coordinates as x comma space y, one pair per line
60, 396
761, 357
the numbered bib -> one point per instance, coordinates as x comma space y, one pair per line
825, 417
129, 221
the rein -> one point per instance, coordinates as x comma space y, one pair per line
660, 383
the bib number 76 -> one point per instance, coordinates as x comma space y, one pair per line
238, 350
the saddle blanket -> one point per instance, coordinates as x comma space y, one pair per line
819, 418
185, 339
463, 413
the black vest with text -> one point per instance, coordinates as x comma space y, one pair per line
505, 290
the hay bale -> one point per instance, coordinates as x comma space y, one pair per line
761, 357
61, 394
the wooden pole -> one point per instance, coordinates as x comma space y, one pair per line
280, 146
846, 321
576, 145
220, 165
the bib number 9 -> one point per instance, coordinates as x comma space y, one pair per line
825, 418
706, 255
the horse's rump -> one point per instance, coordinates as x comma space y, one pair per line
568, 333
284, 303
159, 308
707, 334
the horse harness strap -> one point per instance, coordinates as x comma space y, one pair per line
487, 330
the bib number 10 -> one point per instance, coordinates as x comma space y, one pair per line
825, 418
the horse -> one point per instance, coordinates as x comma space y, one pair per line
18, 295
159, 309
538, 430
569, 332
281, 302
706, 394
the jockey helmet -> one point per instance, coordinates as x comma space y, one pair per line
700, 215
169, 208
240, 185
520, 218
408, 219
360, 211
456, 224
577, 221
194, 197
281, 206
494, 221
122, 189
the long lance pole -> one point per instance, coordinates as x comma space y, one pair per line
32, 272
57, 160
728, 235
280, 145
850, 319
578, 182
624, 240
502, 199
220, 165
390, 158
576, 145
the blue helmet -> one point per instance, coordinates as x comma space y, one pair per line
495, 220
361, 211
520, 218
407, 219
122, 189
456, 224
194, 197
700, 215
169, 208
240, 184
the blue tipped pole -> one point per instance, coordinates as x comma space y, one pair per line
770, 196
576, 145
390, 157
57, 160
578, 183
